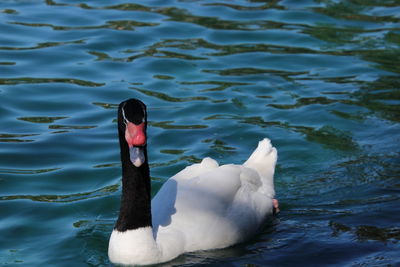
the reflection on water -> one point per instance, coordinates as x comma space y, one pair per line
14, 81
41, 119
15, 137
168, 98
365, 232
19, 171
320, 78
65, 198
117, 25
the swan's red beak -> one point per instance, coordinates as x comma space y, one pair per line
135, 134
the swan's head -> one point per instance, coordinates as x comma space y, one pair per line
133, 120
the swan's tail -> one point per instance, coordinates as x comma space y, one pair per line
263, 160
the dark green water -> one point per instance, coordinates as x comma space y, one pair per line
320, 78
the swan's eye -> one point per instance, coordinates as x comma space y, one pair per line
124, 117
144, 115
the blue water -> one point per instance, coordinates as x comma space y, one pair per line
319, 78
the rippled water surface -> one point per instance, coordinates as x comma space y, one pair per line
320, 78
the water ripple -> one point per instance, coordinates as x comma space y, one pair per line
41, 45
15, 138
18, 171
30, 80
64, 198
43, 119
126, 25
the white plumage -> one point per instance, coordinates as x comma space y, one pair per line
205, 206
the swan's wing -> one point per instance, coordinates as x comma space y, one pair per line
213, 210
197, 208
183, 196
164, 204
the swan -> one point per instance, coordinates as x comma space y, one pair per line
204, 206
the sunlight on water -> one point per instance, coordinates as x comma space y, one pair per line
319, 78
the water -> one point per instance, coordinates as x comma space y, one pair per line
320, 78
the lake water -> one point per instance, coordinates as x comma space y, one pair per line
319, 78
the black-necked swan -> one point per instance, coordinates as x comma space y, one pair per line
205, 206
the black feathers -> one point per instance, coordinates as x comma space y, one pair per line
135, 211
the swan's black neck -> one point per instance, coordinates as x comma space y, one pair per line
135, 211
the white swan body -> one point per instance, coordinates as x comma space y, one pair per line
205, 206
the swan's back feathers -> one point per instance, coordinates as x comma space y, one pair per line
206, 165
